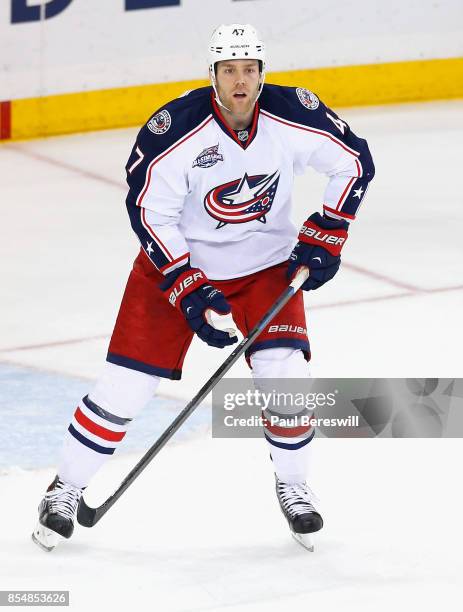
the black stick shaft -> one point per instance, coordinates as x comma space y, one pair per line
89, 516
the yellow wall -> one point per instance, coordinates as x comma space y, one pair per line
338, 87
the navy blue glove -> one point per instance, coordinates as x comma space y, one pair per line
319, 248
190, 291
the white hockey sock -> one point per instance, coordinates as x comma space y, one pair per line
101, 420
289, 446
291, 465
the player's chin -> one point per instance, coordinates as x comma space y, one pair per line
241, 104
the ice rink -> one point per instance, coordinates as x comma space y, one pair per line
201, 529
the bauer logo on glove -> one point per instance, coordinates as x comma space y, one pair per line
180, 287
317, 236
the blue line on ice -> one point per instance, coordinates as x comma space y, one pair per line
36, 408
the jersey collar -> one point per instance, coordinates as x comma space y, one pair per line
217, 114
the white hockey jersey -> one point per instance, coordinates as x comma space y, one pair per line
201, 191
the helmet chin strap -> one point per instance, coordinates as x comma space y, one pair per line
216, 96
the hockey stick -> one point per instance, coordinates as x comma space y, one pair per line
88, 516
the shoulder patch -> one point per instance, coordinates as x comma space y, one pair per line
160, 123
307, 98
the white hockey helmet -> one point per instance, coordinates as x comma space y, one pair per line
236, 41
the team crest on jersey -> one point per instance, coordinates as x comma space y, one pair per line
160, 123
245, 199
208, 157
307, 98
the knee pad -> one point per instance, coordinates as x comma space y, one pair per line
281, 362
122, 391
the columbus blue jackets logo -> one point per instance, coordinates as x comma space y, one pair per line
246, 199
160, 123
307, 98
208, 157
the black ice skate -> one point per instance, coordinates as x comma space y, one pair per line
297, 504
56, 514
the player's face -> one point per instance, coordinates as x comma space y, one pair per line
238, 84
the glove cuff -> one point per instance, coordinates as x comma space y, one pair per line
319, 231
171, 277
181, 282
327, 223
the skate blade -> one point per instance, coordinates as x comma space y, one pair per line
45, 538
305, 540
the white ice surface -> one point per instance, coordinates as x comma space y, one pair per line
201, 530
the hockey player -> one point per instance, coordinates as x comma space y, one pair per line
210, 179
